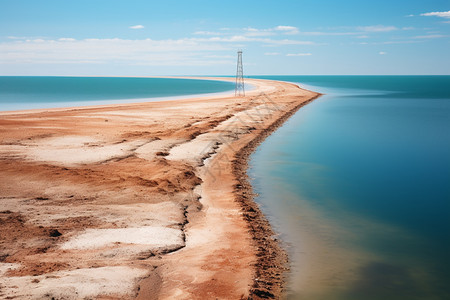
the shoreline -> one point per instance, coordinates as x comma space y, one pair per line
174, 167
273, 260
125, 102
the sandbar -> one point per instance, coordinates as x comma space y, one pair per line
140, 201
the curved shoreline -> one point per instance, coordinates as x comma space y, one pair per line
272, 257
125, 101
136, 168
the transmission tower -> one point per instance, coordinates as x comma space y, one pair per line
240, 89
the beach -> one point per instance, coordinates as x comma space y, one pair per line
145, 200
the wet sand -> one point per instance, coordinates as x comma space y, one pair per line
146, 200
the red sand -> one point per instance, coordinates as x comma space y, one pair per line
146, 201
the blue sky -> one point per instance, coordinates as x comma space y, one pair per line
111, 37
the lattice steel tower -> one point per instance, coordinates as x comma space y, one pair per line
240, 89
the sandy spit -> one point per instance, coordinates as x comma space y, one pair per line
140, 201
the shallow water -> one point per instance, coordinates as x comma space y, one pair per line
357, 185
23, 92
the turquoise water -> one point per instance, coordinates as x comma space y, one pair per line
357, 183
49, 92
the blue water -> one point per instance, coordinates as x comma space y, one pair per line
363, 175
49, 92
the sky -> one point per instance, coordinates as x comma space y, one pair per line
195, 37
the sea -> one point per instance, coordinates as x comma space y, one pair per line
23, 92
357, 186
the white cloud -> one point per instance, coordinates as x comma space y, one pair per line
321, 33
397, 42
290, 30
362, 37
207, 33
382, 53
249, 31
360, 31
377, 28
118, 51
430, 36
16, 38
271, 53
197, 50
299, 54
290, 42
244, 38
219, 56
137, 27
66, 40
442, 14
285, 28
282, 29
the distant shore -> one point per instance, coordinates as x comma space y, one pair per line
90, 91
146, 200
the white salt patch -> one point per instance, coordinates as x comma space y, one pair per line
76, 284
135, 215
249, 117
69, 141
227, 131
154, 236
144, 214
74, 150
196, 149
5, 267
149, 150
137, 114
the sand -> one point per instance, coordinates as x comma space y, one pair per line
140, 201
